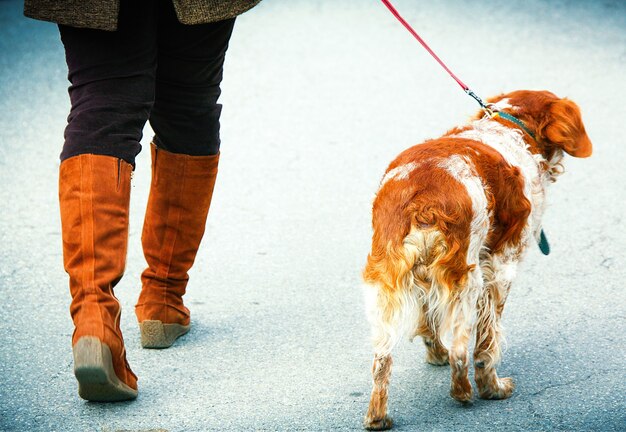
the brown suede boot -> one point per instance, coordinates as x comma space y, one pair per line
94, 194
180, 196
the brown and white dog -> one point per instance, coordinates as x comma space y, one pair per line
451, 220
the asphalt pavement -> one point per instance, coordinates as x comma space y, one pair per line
319, 96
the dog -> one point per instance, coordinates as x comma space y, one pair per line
451, 221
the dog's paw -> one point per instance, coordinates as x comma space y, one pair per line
437, 360
378, 424
464, 397
462, 391
502, 389
436, 354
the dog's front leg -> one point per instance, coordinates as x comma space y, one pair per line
376, 418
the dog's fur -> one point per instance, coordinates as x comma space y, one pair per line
451, 220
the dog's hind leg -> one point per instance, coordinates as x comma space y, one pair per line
462, 319
460, 387
498, 278
389, 314
376, 417
385, 337
393, 309
436, 353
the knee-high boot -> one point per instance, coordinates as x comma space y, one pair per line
180, 196
94, 194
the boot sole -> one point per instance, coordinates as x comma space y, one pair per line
155, 334
93, 368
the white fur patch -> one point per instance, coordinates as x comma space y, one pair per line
400, 172
510, 144
503, 104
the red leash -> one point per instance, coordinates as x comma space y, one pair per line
432, 53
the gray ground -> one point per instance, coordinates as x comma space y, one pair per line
319, 97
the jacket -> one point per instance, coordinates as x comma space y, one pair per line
102, 14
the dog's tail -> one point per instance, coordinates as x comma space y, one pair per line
394, 267
406, 276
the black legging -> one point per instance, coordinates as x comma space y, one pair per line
152, 68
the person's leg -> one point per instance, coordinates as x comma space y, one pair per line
112, 76
185, 157
94, 193
185, 116
112, 91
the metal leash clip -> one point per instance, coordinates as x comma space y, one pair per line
488, 108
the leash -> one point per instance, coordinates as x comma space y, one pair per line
489, 109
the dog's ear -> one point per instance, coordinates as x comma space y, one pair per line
563, 128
